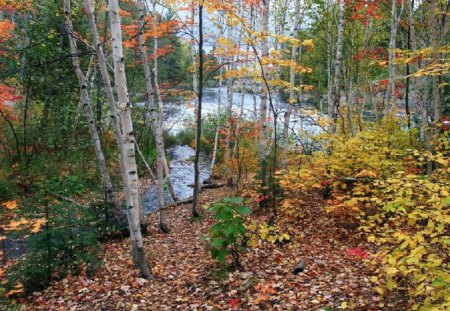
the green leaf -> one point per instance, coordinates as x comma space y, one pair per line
237, 200
243, 210
217, 243
224, 216
220, 254
446, 202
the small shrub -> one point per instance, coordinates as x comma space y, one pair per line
228, 232
67, 243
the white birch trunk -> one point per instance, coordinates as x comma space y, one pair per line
114, 114
216, 136
292, 100
132, 192
227, 151
166, 168
154, 118
335, 94
86, 104
262, 153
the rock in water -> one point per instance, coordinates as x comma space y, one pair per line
300, 267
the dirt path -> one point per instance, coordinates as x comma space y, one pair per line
187, 278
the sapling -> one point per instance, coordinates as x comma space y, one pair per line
228, 231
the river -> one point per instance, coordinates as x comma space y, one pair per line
179, 117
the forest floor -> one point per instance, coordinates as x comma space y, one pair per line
186, 278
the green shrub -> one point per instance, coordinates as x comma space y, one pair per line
67, 243
228, 232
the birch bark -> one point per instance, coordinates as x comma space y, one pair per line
154, 118
131, 193
335, 94
86, 103
262, 153
292, 98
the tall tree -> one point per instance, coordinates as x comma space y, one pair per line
395, 20
263, 141
155, 121
198, 135
131, 192
86, 103
333, 103
292, 97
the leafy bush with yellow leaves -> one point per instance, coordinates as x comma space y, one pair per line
378, 177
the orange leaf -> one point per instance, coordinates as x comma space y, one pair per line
38, 225
10, 204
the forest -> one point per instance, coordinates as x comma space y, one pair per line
224, 155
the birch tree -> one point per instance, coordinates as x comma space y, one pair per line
395, 20
262, 153
86, 103
132, 191
333, 104
155, 120
292, 97
195, 212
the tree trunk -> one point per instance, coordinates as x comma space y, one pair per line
195, 212
262, 153
132, 192
292, 97
114, 114
166, 169
437, 104
335, 94
86, 102
228, 125
154, 118
216, 136
395, 19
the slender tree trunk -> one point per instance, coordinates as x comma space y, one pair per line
166, 168
237, 130
86, 102
195, 212
419, 93
114, 114
216, 136
228, 125
292, 97
335, 94
154, 117
437, 104
395, 19
132, 192
262, 153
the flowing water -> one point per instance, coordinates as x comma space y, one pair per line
179, 117
182, 176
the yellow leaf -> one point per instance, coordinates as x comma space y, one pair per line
371, 238
343, 305
391, 271
252, 243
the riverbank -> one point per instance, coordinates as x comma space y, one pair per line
186, 278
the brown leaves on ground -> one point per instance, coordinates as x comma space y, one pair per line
186, 278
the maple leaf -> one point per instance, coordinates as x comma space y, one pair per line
234, 303
358, 253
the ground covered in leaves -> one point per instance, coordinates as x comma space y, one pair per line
186, 278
